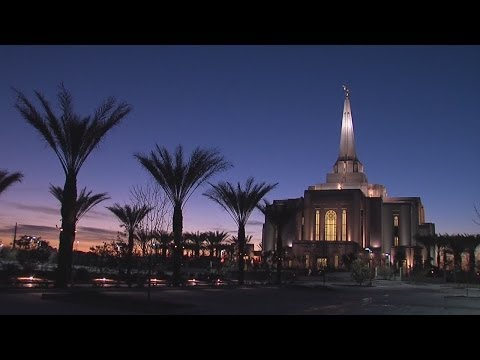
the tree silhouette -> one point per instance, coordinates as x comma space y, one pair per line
85, 200
239, 203
7, 180
197, 239
72, 137
130, 217
179, 178
279, 214
214, 240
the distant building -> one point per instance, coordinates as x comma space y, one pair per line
348, 215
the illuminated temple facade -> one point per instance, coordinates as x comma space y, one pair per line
348, 215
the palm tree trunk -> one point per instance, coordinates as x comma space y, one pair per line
279, 254
177, 239
241, 253
129, 257
67, 233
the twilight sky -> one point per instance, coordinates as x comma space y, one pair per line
274, 112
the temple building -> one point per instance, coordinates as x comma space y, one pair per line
347, 215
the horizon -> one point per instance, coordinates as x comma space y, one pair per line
274, 112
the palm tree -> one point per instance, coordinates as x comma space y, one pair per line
279, 214
215, 239
239, 203
428, 241
144, 236
6, 179
179, 179
72, 138
130, 217
197, 239
85, 200
165, 238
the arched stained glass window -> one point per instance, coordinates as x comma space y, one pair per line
331, 225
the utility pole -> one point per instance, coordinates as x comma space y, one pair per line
14, 236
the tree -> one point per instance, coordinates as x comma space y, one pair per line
165, 238
214, 240
84, 203
348, 259
361, 271
179, 179
428, 241
7, 180
239, 203
279, 214
158, 219
197, 239
73, 138
130, 217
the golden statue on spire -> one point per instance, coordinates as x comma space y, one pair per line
347, 91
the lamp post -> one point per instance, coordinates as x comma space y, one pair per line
388, 263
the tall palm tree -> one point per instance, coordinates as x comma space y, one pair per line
239, 203
179, 179
279, 214
85, 202
130, 217
72, 137
6, 179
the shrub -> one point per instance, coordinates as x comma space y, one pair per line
361, 271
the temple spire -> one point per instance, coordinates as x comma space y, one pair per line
347, 139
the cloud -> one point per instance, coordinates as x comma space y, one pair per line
255, 223
37, 208
96, 231
27, 228
94, 214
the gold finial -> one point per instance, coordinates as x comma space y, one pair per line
347, 91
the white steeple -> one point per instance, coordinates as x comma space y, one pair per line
347, 139
347, 168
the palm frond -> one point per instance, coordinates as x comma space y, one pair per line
180, 178
85, 200
280, 212
237, 201
71, 136
7, 180
129, 216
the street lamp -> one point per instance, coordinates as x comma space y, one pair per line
370, 252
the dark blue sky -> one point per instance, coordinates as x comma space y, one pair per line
274, 112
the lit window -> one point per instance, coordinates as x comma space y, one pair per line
344, 225
331, 225
321, 263
317, 224
396, 238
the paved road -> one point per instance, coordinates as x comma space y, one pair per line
384, 298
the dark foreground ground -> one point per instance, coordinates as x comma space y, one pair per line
306, 298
